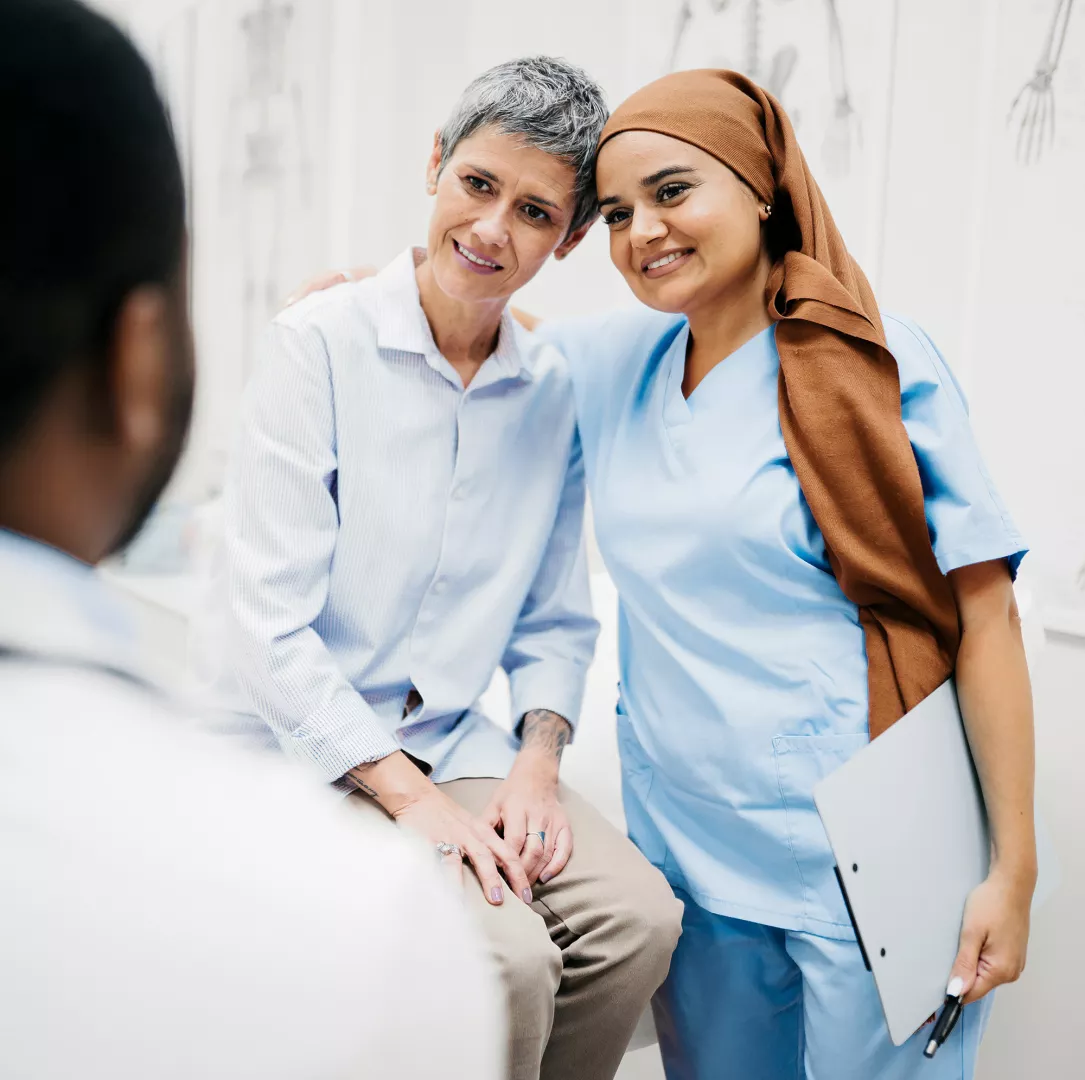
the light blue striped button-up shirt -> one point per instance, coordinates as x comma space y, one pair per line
384, 528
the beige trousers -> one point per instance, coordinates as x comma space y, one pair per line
581, 963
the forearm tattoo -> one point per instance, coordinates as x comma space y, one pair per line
545, 730
354, 778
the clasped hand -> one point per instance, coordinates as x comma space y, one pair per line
502, 845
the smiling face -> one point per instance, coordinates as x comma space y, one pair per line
502, 208
685, 232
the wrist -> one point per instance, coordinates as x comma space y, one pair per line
1020, 873
544, 734
395, 782
539, 760
1016, 866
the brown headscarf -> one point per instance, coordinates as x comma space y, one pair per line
839, 388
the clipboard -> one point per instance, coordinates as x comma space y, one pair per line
907, 825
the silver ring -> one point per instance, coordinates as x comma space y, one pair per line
540, 835
449, 849
346, 275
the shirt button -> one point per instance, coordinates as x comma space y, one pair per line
439, 585
461, 490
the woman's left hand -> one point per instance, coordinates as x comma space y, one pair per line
525, 805
994, 934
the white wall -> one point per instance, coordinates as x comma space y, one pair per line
984, 250
1035, 1026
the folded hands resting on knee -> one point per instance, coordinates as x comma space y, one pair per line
522, 837
416, 803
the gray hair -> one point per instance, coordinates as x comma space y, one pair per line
549, 103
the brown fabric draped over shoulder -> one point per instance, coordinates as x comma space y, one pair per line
839, 388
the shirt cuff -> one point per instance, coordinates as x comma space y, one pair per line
343, 734
557, 685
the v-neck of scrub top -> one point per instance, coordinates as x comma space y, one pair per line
723, 395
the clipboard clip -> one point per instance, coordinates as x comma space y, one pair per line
851, 917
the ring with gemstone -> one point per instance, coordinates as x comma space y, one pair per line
540, 835
449, 849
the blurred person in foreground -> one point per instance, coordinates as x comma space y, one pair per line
171, 908
403, 514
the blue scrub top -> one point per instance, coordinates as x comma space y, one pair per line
743, 666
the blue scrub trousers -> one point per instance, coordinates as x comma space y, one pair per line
744, 1001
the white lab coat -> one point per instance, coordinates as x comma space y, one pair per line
173, 908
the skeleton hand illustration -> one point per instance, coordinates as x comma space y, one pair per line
844, 127
1036, 115
836, 147
685, 17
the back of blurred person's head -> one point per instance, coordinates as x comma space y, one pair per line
96, 367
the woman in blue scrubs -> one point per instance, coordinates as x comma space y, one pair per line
744, 635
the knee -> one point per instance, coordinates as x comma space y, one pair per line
530, 969
650, 922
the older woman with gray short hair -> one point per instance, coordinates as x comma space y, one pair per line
403, 515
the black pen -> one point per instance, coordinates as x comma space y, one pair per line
951, 1010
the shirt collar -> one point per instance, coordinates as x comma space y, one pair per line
57, 607
402, 325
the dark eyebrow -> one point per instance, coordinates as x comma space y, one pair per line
670, 170
530, 198
545, 202
651, 181
482, 172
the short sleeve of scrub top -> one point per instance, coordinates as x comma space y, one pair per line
742, 665
967, 519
